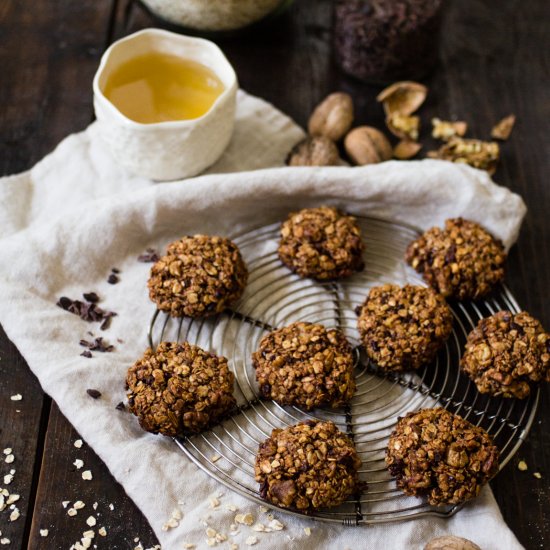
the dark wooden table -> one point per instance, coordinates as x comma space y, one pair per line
494, 61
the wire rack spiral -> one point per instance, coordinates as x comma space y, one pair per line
275, 297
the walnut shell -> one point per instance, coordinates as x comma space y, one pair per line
449, 542
314, 151
402, 97
333, 117
367, 145
406, 149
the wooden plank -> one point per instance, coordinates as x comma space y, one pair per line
61, 481
20, 428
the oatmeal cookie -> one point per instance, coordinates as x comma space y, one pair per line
506, 354
462, 261
198, 276
179, 389
402, 328
306, 365
308, 466
321, 243
436, 453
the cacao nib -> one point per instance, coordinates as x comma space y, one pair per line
149, 256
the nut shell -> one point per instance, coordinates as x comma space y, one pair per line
333, 117
314, 151
450, 542
404, 97
367, 145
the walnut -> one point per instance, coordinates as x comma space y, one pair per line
449, 542
503, 129
406, 149
333, 117
403, 126
445, 130
402, 97
367, 145
479, 154
314, 151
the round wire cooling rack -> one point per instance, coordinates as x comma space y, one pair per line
275, 297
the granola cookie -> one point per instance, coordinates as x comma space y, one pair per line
436, 453
198, 276
506, 354
179, 389
307, 466
402, 328
462, 261
321, 243
306, 365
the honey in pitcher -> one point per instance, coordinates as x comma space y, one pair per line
158, 87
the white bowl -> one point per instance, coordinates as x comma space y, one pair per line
174, 149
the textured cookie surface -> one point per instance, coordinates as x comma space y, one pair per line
321, 243
462, 261
179, 389
506, 354
436, 453
402, 328
198, 276
306, 365
307, 466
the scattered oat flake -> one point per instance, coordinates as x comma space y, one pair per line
9, 459
111, 507
231, 508
87, 475
522, 465
245, 519
16, 397
211, 541
78, 505
210, 532
78, 443
260, 528
220, 537
214, 502
5, 541
14, 516
176, 514
503, 128
276, 525
78, 463
91, 521
12, 498
538, 475
251, 541
44, 532
65, 503
102, 531
307, 531
263, 509
215, 458
7, 451
8, 478
71, 512
94, 505
188, 546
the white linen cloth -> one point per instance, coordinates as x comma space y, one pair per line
65, 224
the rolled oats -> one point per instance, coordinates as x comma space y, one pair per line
179, 388
307, 466
306, 365
321, 243
462, 260
436, 453
198, 276
506, 354
402, 328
